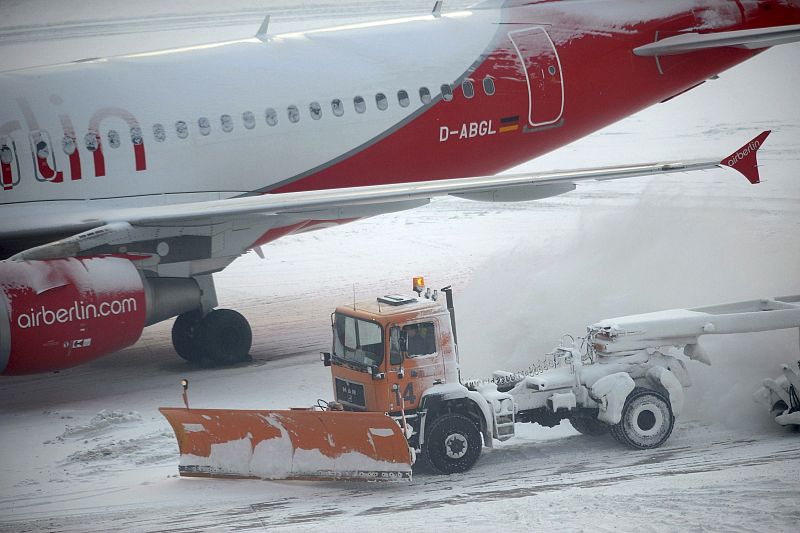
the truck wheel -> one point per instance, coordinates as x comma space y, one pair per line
452, 444
185, 336
588, 425
647, 420
226, 338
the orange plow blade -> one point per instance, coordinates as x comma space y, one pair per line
294, 444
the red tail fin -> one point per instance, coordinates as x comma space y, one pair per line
744, 159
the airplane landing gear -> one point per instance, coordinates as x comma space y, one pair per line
186, 335
222, 337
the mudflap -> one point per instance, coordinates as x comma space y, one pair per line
294, 444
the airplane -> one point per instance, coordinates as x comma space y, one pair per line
128, 181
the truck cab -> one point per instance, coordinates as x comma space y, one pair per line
398, 354
387, 352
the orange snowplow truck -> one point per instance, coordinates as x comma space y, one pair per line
395, 373
398, 355
394, 365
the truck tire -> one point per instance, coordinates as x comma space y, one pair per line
452, 444
587, 424
647, 420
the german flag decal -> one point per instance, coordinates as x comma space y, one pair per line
508, 124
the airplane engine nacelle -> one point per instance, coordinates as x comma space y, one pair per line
60, 313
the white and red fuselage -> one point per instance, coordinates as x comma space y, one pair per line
468, 93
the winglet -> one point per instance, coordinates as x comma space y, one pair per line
261, 34
744, 159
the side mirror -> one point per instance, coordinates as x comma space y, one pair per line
325, 357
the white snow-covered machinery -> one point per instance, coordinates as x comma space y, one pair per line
782, 396
627, 376
396, 379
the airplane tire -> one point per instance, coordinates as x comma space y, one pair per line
452, 444
646, 422
225, 337
586, 424
186, 336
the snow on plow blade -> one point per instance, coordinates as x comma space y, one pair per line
294, 444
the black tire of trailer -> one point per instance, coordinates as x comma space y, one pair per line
588, 424
778, 408
452, 444
647, 420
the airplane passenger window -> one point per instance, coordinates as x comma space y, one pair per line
205, 125
424, 95
402, 98
468, 88
113, 138
272, 116
90, 139
180, 128
136, 135
226, 121
488, 86
447, 92
381, 101
249, 120
6, 156
67, 143
294, 114
159, 133
42, 149
359, 104
316, 110
337, 107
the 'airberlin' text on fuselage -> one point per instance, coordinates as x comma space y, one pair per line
46, 167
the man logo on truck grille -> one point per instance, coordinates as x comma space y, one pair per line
351, 393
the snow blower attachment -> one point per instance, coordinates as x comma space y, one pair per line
782, 396
289, 444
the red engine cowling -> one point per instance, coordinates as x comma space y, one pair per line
61, 313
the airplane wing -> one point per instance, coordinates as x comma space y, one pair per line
249, 215
750, 39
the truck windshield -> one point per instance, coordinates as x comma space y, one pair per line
357, 341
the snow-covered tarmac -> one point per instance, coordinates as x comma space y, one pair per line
86, 450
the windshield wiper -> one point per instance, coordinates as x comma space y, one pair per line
355, 365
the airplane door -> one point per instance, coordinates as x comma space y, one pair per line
539, 59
